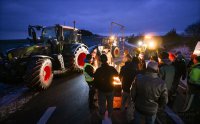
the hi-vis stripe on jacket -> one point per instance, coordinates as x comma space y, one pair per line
88, 78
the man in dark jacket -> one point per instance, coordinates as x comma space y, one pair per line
180, 71
148, 92
103, 78
127, 75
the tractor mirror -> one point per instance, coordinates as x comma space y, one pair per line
34, 36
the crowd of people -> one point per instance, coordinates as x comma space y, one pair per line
149, 85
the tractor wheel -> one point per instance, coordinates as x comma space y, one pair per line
79, 57
115, 52
39, 74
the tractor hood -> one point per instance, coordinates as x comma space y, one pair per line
22, 52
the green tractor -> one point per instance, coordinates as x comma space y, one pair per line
56, 50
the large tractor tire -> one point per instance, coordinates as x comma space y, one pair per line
79, 56
39, 73
115, 51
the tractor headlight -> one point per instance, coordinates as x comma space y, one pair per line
152, 45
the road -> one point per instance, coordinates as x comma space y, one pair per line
67, 97
65, 102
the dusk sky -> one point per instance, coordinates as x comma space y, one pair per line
138, 16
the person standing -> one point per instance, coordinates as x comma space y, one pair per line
180, 71
194, 77
88, 71
103, 78
166, 69
148, 92
127, 75
167, 73
142, 64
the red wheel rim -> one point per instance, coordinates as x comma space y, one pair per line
47, 73
80, 59
116, 52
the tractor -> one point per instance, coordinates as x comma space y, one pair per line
56, 50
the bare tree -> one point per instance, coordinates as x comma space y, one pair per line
193, 29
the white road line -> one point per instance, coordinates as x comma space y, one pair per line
7, 99
46, 115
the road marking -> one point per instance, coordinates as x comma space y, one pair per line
46, 115
12, 96
174, 116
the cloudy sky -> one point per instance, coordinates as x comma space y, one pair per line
138, 16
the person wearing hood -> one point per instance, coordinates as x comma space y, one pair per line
166, 70
88, 71
149, 93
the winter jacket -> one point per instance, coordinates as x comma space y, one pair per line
167, 72
127, 75
149, 92
142, 65
194, 79
88, 72
180, 69
104, 76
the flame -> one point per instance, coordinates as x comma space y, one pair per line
116, 81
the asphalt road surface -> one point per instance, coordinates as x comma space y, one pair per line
65, 102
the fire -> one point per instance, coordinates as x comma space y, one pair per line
116, 81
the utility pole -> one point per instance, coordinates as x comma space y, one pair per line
121, 29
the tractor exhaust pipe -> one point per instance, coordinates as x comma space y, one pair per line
74, 24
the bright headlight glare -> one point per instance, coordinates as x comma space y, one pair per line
140, 43
152, 45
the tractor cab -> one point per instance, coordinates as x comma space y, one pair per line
66, 34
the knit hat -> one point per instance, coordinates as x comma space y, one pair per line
163, 55
103, 58
153, 66
179, 57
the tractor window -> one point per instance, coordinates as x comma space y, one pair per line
68, 35
49, 33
